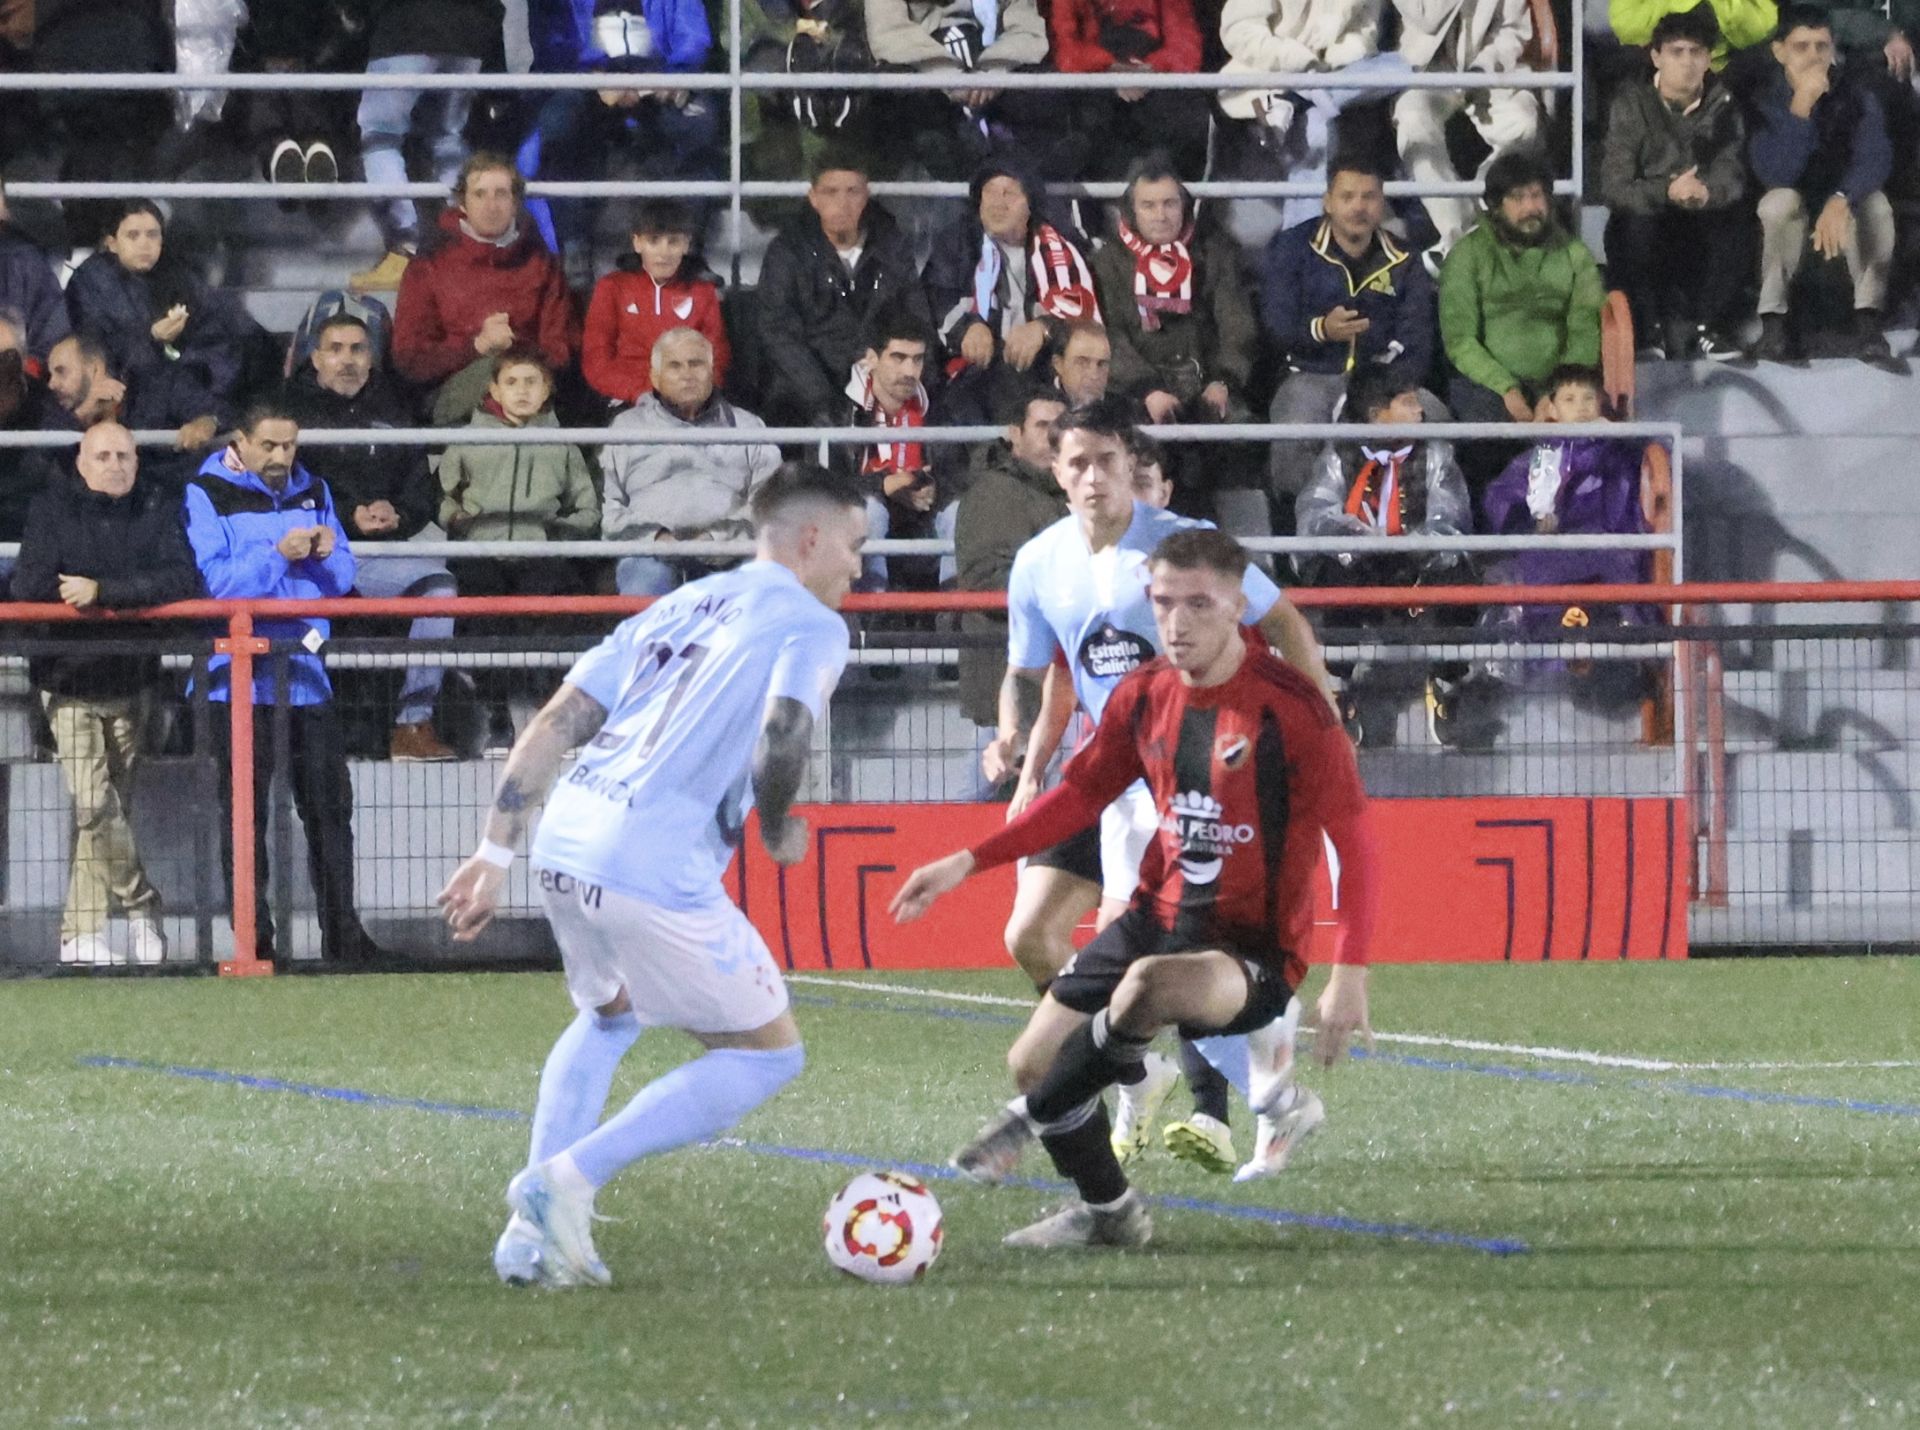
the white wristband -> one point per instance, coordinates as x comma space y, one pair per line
497, 855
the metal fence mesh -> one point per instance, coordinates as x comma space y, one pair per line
1793, 744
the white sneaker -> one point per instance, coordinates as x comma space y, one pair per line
519, 1257
563, 1217
88, 950
149, 941
1202, 1140
1139, 1107
1281, 1133
1077, 1224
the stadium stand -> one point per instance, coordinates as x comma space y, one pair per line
1724, 482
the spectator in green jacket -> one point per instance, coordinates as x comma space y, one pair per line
1743, 23
510, 492
1519, 297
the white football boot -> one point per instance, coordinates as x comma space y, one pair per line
1139, 1107
563, 1217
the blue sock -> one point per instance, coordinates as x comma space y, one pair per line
575, 1081
695, 1101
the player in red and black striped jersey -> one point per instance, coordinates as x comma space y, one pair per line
1247, 767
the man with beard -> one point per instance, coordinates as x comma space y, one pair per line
1519, 297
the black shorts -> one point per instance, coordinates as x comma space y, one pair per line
1078, 856
1087, 982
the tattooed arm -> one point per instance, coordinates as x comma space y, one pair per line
566, 722
1020, 693
779, 766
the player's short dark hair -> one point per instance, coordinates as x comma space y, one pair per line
1802, 17
270, 408
1202, 548
664, 216
897, 323
1374, 386
1109, 417
1698, 25
1573, 374
795, 484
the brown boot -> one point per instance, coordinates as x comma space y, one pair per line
418, 742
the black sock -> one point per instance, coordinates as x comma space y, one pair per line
1091, 1060
1085, 1158
1208, 1084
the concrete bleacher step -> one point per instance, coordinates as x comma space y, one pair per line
1851, 793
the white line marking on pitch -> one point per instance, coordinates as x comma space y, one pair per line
1423, 1040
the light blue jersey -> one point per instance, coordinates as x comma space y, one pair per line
1094, 607
655, 805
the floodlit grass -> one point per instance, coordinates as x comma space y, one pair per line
190, 1253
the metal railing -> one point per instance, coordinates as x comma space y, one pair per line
1789, 750
736, 83
1667, 433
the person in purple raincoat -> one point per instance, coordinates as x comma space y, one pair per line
1575, 486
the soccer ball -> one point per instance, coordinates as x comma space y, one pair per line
883, 1226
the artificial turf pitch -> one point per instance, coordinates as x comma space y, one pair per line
1726, 1246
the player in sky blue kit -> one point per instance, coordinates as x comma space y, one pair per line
1080, 588
689, 715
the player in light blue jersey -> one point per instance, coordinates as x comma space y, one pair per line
1080, 588
687, 716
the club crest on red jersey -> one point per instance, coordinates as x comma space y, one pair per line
1232, 751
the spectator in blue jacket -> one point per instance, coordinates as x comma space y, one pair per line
1339, 293
262, 527
675, 132
29, 289
1820, 149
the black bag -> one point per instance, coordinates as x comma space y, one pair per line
830, 41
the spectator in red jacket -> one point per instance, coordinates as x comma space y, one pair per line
655, 290
1118, 36
491, 285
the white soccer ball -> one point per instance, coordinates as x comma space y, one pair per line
884, 1227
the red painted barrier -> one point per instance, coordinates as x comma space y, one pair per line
1467, 881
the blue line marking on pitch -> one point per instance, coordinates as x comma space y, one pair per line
307, 1089
1456, 1065
927, 1171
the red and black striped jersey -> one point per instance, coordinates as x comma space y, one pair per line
1245, 776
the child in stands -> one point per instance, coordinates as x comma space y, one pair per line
658, 288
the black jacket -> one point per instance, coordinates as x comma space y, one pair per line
814, 314
472, 28
135, 546
360, 475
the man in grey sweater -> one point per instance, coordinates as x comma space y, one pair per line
679, 490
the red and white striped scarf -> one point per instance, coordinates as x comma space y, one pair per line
1162, 274
1062, 283
890, 456
1385, 509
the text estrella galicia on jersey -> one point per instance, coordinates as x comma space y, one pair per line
1111, 652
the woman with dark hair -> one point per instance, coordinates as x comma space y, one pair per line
151, 309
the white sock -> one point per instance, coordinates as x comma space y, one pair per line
576, 1079
695, 1101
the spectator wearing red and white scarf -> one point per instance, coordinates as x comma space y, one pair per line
1178, 307
1004, 282
905, 495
